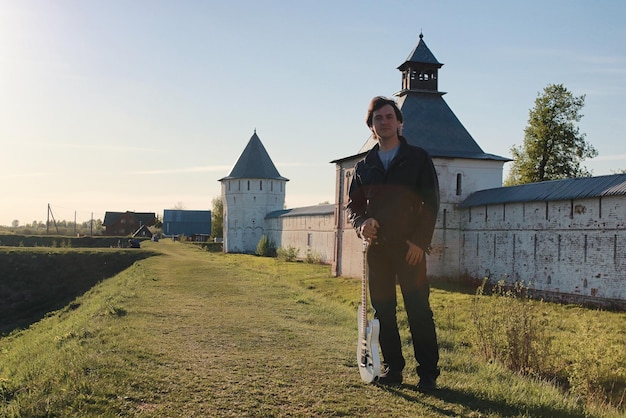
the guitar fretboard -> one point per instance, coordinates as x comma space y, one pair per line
364, 293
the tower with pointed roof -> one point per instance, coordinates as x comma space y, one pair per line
253, 189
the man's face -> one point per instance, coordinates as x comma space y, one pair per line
384, 122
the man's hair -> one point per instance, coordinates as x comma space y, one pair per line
378, 102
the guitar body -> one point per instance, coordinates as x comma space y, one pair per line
367, 354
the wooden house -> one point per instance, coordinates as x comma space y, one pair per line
126, 223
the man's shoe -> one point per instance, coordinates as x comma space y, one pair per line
390, 377
427, 384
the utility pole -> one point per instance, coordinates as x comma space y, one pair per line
48, 220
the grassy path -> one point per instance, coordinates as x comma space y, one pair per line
241, 342
195, 334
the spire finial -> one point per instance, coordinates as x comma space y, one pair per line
421, 34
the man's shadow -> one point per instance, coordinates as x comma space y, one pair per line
472, 402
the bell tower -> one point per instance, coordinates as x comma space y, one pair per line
420, 70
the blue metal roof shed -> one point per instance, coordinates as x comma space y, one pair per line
186, 222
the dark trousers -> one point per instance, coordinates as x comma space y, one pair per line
387, 265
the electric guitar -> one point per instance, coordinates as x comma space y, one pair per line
367, 354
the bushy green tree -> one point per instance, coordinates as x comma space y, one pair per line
217, 218
553, 145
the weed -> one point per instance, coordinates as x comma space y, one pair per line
592, 373
510, 328
313, 257
288, 254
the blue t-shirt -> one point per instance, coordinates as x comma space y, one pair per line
387, 156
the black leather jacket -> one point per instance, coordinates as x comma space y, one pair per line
404, 199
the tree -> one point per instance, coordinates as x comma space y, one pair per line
553, 145
15, 223
217, 218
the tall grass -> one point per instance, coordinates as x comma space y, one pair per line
529, 337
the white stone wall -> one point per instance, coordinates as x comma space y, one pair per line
311, 235
458, 178
246, 202
573, 247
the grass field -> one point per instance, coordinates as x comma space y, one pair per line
197, 334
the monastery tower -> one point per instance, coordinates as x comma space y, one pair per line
253, 189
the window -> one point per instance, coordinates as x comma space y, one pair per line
459, 184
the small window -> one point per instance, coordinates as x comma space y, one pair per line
459, 184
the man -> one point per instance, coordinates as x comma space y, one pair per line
393, 203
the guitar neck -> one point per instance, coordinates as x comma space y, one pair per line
364, 291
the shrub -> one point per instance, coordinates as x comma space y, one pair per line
265, 247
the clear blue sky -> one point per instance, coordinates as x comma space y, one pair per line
144, 105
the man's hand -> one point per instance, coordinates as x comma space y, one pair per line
414, 255
369, 229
